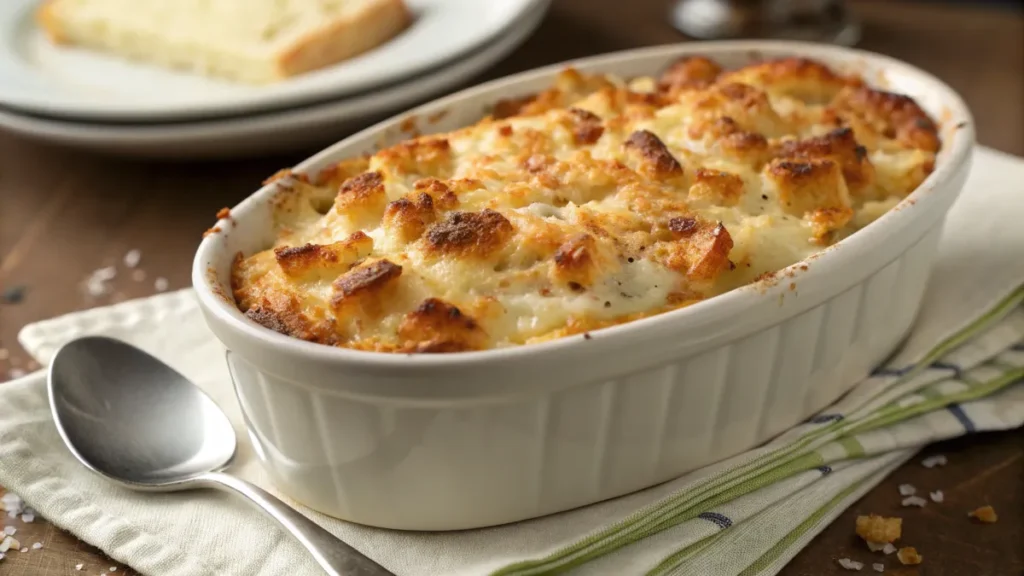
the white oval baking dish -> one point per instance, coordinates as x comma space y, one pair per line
453, 441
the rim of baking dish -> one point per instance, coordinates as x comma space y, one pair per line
959, 143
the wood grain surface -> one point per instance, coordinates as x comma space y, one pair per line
65, 213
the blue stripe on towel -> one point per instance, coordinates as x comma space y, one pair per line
1019, 347
825, 470
826, 418
723, 522
958, 372
958, 411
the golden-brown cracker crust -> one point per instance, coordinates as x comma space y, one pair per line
470, 234
812, 185
689, 72
840, 145
700, 248
895, 116
296, 261
437, 326
655, 158
587, 126
336, 174
576, 261
407, 218
344, 38
426, 155
364, 287
441, 193
798, 77
716, 187
362, 197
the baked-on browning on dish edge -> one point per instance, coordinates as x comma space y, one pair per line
596, 202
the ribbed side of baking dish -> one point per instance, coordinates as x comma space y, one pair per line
453, 441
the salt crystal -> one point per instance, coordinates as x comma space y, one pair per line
850, 564
28, 518
107, 273
937, 496
10, 530
79, 566
907, 490
933, 461
878, 566
131, 259
876, 546
23, 550
160, 284
889, 548
914, 501
113, 568
37, 545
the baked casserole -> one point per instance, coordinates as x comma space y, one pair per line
596, 202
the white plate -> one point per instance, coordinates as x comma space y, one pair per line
269, 132
38, 77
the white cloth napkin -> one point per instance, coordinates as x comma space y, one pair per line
747, 515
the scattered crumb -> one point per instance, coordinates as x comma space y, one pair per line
888, 548
876, 546
112, 569
97, 284
224, 213
2, 556
875, 528
213, 230
878, 566
23, 550
850, 564
986, 514
138, 275
132, 258
907, 490
37, 545
28, 518
908, 556
9, 543
914, 501
160, 284
933, 461
10, 530
937, 496
79, 566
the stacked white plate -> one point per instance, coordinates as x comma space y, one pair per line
82, 98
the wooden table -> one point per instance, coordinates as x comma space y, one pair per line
65, 213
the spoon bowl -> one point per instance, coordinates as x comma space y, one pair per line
134, 420
160, 432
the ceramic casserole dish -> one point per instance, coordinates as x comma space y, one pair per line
454, 441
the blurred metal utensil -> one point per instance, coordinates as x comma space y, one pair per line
808, 20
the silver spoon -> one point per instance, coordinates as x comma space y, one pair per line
132, 419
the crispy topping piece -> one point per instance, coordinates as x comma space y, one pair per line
879, 530
334, 258
407, 218
839, 145
463, 234
715, 187
655, 159
437, 326
588, 127
576, 260
689, 72
364, 286
908, 556
894, 116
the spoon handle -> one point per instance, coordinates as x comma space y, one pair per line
334, 556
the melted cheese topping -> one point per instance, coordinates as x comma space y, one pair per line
593, 203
